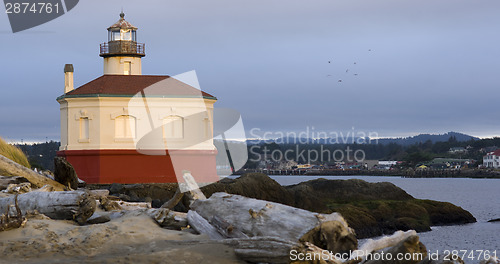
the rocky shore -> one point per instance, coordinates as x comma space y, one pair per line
251, 219
371, 209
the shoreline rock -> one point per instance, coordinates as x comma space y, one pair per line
371, 209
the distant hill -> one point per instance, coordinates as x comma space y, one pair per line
406, 141
459, 137
41, 155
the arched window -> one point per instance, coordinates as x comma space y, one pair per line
173, 127
125, 126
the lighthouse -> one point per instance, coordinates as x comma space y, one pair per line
126, 127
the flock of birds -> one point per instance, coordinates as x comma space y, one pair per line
346, 71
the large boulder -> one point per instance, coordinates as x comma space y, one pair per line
64, 173
351, 190
252, 185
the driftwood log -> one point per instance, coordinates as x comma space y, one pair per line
262, 249
265, 249
191, 188
5, 181
257, 218
69, 205
174, 200
226, 229
8, 222
34, 178
168, 219
202, 226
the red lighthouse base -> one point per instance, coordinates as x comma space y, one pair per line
130, 166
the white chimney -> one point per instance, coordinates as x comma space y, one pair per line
68, 78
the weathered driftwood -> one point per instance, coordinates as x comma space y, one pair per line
5, 181
34, 178
18, 188
309, 249
8, 222
69, 205
202, 226
99, 193
134, 205
99, 218
174, 200
226, 229
410, 246
262, 218
216, 228
262, 249
191, 188
108, 204
45, 188
168, 219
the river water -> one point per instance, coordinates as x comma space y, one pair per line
481, 197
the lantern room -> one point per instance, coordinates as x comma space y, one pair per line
122, 54
122, 31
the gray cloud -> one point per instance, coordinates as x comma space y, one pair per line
422, 66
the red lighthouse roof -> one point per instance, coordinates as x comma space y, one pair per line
130, 85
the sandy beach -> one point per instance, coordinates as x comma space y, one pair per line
131, 238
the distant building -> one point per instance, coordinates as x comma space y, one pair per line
386, 164
448, 163
125, 127
488, 149
369, 164
492, 159
457, 150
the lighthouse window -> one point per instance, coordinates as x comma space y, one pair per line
125, 127
134, 35
173, 127
207, 129
127, 68
126, 34
84, 128
115, 35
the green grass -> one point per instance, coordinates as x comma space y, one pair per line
13, 153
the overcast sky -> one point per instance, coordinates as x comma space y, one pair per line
395, 67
